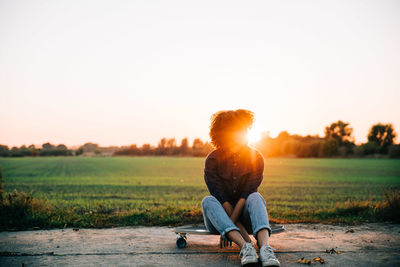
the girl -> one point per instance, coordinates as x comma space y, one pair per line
233, 172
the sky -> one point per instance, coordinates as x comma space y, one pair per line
132, 72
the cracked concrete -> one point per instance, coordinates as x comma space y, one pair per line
373, 244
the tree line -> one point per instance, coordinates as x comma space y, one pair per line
169, 147
337, 142
47, 149
165, 147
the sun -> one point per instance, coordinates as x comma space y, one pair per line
254, 135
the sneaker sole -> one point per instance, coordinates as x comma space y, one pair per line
270, 263
249, 260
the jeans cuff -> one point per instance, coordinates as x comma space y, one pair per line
265, 226
227, 230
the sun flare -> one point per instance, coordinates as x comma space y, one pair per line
254, 135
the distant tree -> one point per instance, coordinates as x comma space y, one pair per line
34, 151
146, 149
184, 147
89, 147
4, 151
197, 147
201, 149
61, 147
283, 136
290, 147
24, 151
311, 148
370, 148
79, 151
47, 146
171, 147
162, 147
382, 134
329, 147
15, 152
279, 144
47, 149
340, 131
132, 150
61, 150
50, 150
171, 143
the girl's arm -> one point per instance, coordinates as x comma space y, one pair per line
237, 211
234, 214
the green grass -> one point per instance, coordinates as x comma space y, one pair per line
96, 192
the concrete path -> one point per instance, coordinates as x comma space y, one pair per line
362, 245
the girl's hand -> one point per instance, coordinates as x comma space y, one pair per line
224, 243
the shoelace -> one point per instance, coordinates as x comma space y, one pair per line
269, 252
247, 248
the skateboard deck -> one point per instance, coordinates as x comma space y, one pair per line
183, 231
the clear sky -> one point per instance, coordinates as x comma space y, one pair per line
123, 72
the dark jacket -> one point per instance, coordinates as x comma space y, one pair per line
230, 177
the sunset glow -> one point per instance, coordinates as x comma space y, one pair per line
133, 72
255, 133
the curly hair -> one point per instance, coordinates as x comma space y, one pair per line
225, 123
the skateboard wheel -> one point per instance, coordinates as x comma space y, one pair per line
181, 242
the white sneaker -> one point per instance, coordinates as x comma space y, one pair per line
248, 254
267, 257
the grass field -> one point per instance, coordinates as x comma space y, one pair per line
94, 192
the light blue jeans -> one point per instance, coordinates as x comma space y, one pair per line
254, 216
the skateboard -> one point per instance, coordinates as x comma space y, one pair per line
183, 231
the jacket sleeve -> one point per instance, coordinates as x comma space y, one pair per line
255, 177
213, 181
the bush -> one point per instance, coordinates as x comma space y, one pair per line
358, 151
22, 210
329, 148
370, 148
355, 208
386, 210
309, 149
394, 151
389, 209
4, 151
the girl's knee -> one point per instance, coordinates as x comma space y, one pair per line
207, 200
255, 197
